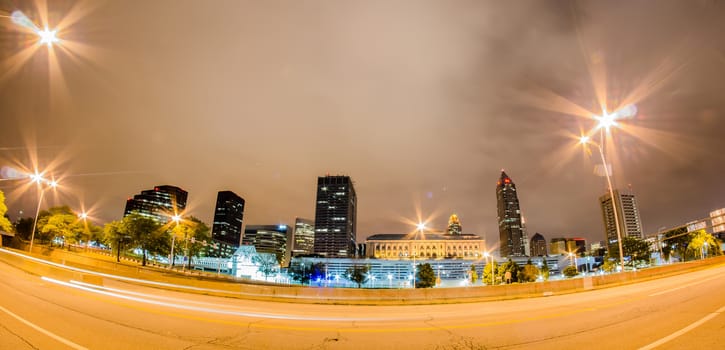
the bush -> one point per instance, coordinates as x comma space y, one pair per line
570, 271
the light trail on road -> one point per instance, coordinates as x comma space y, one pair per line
629, 316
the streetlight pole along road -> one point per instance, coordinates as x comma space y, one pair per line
45, 313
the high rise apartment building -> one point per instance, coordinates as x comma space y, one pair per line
628, 218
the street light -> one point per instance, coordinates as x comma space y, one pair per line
47, 36
420, 227
176, 218
606, 123
40, 181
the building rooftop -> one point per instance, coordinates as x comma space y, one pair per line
419, 237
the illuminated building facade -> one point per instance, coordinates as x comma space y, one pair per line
335, 217
269, 239
159, 204
627, 215
304, 237
512, 240
432, 246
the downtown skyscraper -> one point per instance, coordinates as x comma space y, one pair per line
335, 217
512, 239
228, 219
630, 224
160, 203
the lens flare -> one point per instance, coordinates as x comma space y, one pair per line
48, 37
19, 18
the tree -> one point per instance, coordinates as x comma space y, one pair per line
24, 227
146, 234
299, 273
638, 250
358, 274
702, 244
474, 274
509, 266
487, 272
609, 265
676, 241
545, 269
194, 232
267, 263
115, 235
5, 224
60, 222
425, 276
529, 273
570, 271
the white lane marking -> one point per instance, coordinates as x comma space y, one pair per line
684, 330
684, 286
203, 309
41, 330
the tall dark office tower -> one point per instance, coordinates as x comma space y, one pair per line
627, 217
538, 245
227, 227
511, 238
335, 217
304, 237
160, 204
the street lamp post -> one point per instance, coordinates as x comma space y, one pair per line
175, 218
586, 140
38, 179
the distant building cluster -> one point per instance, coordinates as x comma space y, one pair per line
332, 234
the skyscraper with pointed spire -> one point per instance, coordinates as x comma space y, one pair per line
511, 236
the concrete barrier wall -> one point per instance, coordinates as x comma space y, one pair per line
240, 289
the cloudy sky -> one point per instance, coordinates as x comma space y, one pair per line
422, 103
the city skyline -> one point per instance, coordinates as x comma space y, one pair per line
421, 108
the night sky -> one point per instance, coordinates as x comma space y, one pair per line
422, 103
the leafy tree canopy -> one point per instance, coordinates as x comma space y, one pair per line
5, 224
425, 276
358, 274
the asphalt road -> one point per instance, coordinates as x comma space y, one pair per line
38, 313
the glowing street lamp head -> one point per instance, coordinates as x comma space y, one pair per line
420, 226
584, 140
606, 121
53, 183
48, 36
485, 254
176, 218
83, 215
37, 178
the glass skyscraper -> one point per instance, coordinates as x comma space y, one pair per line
160, 203
227, 228
511, 235
335, 217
